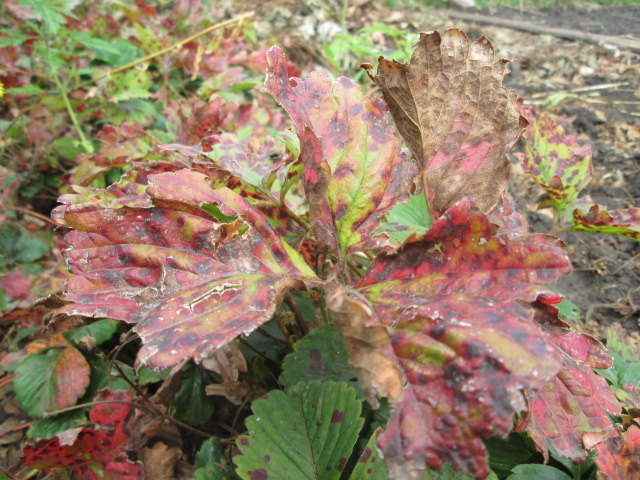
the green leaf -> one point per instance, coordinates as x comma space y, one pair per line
504, 454
305, 433
537, 472
211, 464
30, 89
51, 380
131, 84
67, 147
192, 403
17, 246
115, 52
13, 38
321, 355
100, 332
50, 13
134, 110
51, 426
407, 218
370, 465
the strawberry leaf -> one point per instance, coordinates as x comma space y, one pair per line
556, 161
51, 379
94, 454
150, 255
573, 411
407, 219
456, 118
353, 170
618, 457
321, 419
465, 345
320, 355
625, 222
370, 465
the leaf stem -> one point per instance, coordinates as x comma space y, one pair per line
86, 145
137, 405
293, 306
176, 45
296, 218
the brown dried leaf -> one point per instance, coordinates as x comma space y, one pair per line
456, 118
369, 348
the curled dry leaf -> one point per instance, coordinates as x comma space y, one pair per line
456, 118
369, 347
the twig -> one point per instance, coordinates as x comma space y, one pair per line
137, 405
591, 88
151, 56
34, 214
17, 428
631, 44
266, 333
621, 267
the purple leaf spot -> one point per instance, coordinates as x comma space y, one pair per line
337, 416
341, 465
316, 360
260, 474
266, 459
365, 455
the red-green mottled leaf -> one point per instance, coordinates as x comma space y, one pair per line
625, 222
353, 170
456, 118
461, 338
570, 413
92, 454
556, 161
150, 255
53, 378
619, 457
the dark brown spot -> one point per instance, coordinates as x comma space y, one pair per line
337, 416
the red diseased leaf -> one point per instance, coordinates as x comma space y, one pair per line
51, 378
571, 413
92, 454
466, 346
556, 161
251, 160
625, 222
619, 457
183, 276
456, 118
353, 170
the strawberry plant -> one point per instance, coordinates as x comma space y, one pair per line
407, 297
562, 168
